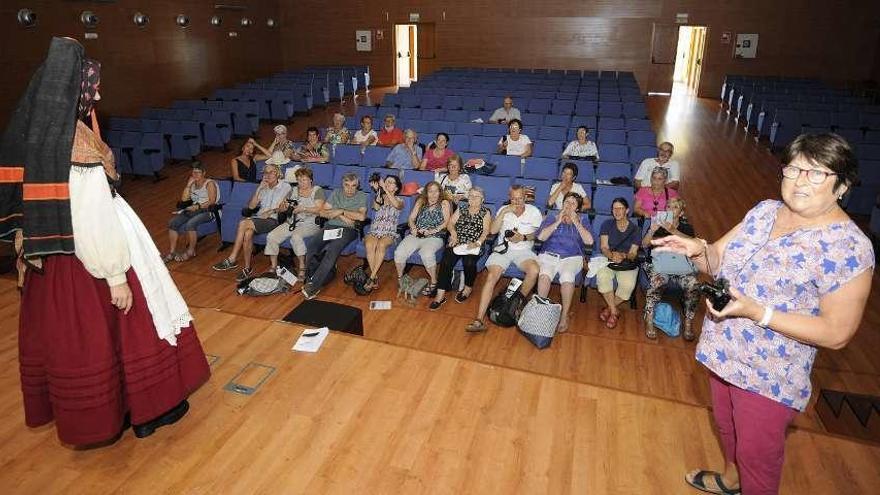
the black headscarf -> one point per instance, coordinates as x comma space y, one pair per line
35, 154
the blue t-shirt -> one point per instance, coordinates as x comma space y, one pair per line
399, 156
564, 241
620, 241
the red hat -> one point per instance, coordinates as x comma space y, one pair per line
410, 189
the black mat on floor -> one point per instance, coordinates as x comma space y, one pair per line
334, 316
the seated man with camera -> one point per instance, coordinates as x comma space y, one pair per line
517, 222
300, 223
270, 196
345, 210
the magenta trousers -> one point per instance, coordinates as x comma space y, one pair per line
752, 430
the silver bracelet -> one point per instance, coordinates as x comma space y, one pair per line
768, 315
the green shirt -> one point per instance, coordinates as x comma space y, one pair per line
338, 199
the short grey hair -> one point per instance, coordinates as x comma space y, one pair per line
351, 177
411, 131
660, 171
479, 190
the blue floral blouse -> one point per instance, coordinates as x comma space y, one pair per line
791, 273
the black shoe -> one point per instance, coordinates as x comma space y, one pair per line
435, 305
169, 418
461, 297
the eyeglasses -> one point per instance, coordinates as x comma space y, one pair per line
814, 175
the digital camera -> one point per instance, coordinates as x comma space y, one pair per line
717, 292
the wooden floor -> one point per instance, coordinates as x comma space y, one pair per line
418, 406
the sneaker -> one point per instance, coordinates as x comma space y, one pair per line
310, 292
226, 264
244, 274
435, 305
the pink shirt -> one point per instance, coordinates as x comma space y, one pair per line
435, 162
652, 203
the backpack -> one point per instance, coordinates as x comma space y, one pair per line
357, 278
265, 284
505, 308
410, 288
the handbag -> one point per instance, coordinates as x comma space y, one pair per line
667, 319
538, 321
627, 264
505, 308
672, 263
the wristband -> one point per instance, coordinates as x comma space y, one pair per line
768, 315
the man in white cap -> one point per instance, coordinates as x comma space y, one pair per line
280, 143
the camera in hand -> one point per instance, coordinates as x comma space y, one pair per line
508, 234
717, 292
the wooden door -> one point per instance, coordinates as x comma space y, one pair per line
664, 42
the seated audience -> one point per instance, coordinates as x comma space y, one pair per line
270, 196
365, 136
470, 227
562, 253
582, 147
654, 197
242, 166
345, 209
506, 113
664, 159
383, 229
280, 143
337, 133
515, 143
517, 224
202, 193
427, 228
437, 153
453, 182
302, 204
313, 150
659, 276
566, 185
406, 155
619, 242
389, 135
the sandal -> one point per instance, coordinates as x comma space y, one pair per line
461, 297
476, 326
604, 313
611, 322
184, 256
699, 483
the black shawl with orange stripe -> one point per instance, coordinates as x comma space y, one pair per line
35, 155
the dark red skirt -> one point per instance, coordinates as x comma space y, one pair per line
85, 364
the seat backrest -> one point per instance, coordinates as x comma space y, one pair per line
547, 149
607, 171
506, 166
347, 154
375, 156
541, 168
323, 174
152, 141
484, 144
614, 153
341, 170
612, 136
605, 194
637, 154
421, 177
495, 188
542, 190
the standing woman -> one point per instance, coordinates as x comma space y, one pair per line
117, 339
800, 272
383, 228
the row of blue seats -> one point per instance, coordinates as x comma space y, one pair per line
589, 174
466, 87
541, 73
533, 125
461, 143
478, 107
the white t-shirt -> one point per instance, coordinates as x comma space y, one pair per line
518, 147
575, 188
527, 223
461, 185
578, 150
270, 198
502, 114
360, 138
648, 165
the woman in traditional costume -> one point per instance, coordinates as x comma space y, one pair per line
104, 335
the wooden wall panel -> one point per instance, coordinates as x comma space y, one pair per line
808, 38
149, 66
